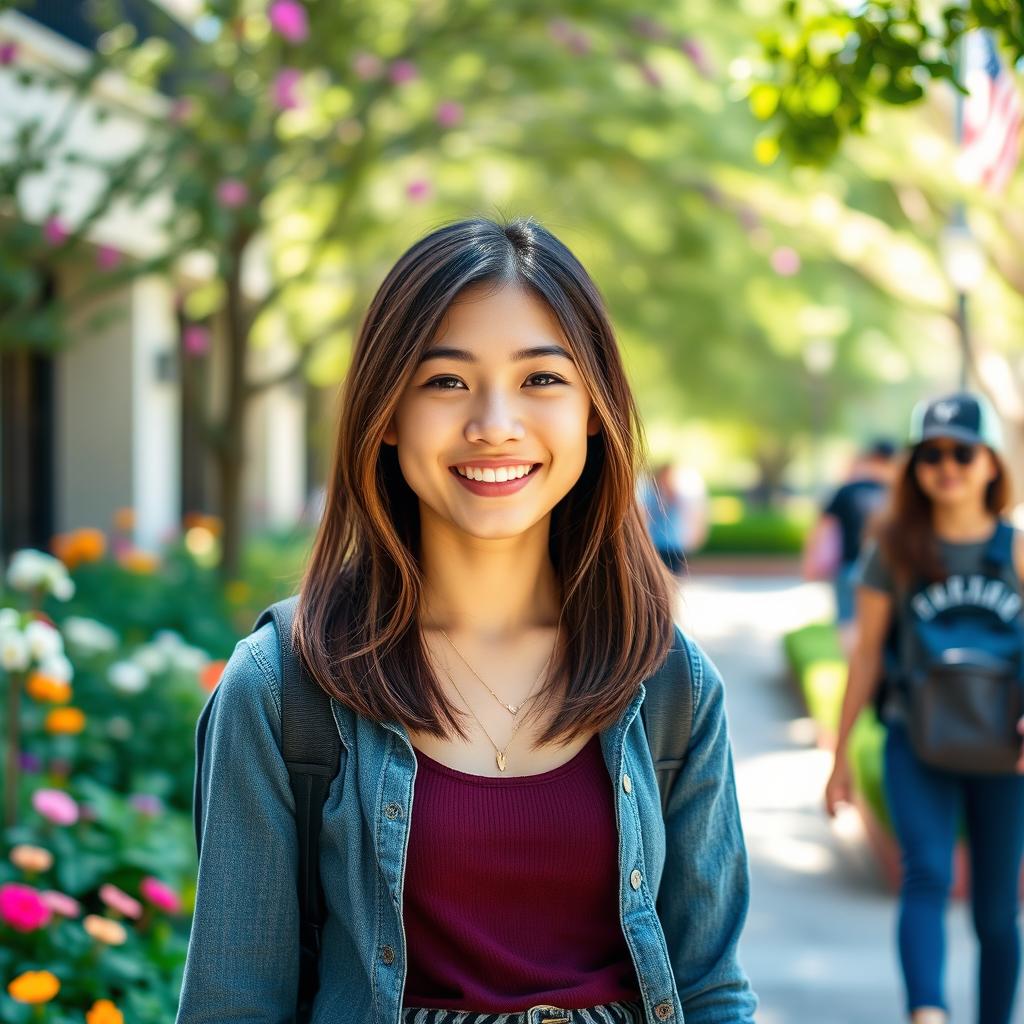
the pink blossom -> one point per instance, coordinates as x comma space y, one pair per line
648, 27
566, 34
285, 89
196, 340
55, 805
119, 900
402, 71
147, 804
61, 903
698, 56
232, 193
785, 261
23, 908
107, 257
55, 231
8, 52
182, 109
160, 895
651, 77
448, 113
418, 190
367, 66
288, 19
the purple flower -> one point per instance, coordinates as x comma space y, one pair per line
448, 114
55, 232
567, 35
285, 89
402, 71
418, 190
55, 805
648, 27
147, 804
367, 66
651, 77
8, 52
288, 19
785, 261
107, 257
29, 762
698, 56
196, 340
232, 193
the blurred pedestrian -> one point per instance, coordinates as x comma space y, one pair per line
834, 545
939, 646
674, 499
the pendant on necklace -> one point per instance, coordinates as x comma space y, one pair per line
501, 760
513, 708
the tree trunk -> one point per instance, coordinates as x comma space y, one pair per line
772, 459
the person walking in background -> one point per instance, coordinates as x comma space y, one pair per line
834, 544
939, 646
674, 499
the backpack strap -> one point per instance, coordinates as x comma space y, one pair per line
311, 747
667, 713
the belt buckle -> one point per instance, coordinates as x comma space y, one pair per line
550, 1020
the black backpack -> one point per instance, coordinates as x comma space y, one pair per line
311, 748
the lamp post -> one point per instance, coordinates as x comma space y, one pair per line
964, 264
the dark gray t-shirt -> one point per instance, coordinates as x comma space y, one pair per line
959, 559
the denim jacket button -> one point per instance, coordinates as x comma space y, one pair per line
664, 1010
627, 783
635, 878
392, 811
387, 954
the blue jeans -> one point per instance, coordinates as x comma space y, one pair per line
927, 807
608, 1013
845, 591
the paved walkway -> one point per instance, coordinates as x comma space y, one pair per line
819, 944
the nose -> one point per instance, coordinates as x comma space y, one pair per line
494, 419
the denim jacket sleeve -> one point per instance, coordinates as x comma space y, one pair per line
242, 962
705, 890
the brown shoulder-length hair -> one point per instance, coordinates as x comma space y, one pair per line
906, 533
356, 627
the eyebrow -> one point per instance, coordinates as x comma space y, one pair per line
462, 356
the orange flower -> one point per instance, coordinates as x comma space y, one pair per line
141, 562
31, 858
104, 1012
210, 675
34, 987
47, 689
124, 520
103, 929
66, 721
78, 546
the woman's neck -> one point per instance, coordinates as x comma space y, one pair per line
494, 589
962, 523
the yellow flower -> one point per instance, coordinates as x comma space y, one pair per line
237, 591
141, 562
34, 987
103, 929
48, 689
104, 1012
67, 721
31, 858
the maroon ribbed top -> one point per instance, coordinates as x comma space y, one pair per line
511, 889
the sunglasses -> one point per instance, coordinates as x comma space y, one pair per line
933, 454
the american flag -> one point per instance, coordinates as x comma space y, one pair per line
992, 112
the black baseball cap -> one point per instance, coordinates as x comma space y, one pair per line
963, 416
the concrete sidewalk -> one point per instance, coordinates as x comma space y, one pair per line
820, 940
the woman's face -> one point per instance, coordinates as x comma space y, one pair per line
496, 387
960, 476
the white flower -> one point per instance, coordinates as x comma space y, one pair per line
43, 640
128, 677
167, 639
58, 667
14, 651
88, 636
62, 587
151, 659
191, 659
10, 618
30, 570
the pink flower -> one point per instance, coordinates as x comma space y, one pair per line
232, 193
107, 257
160, 895
8, 53
23, 908
55, 232
182, 109
651, 77
418, 190
119, 900
648, 27
60, 903
288, 19
55, 805
285, 89
402, 71
196, 340
785, 261
566, 34
147, 804
698, 56
367, 66
448, 114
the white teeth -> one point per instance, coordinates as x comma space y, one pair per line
499, 475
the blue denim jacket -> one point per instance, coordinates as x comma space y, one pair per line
683, 879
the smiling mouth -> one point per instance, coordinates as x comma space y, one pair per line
511, 480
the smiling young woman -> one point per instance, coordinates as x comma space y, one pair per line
483, 605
